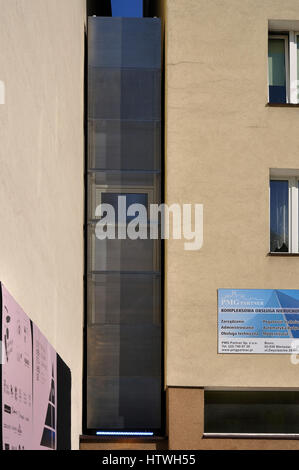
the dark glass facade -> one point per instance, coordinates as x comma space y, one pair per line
123, 339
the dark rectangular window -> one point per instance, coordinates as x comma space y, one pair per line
123, 386
247, 412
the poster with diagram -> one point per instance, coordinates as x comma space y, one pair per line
29, 380
17, 409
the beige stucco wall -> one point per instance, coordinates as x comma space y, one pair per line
41, 171
221, 142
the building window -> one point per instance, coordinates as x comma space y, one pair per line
243, 413
284, 219
277, 64
283, 67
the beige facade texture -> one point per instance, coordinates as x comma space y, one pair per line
42, 168
186, 427
222, 139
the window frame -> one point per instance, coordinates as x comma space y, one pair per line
260, 394
122, 191
293, 207
291, 59
286, 39
96, 199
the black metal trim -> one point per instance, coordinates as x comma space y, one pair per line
1, 339
84, 381
64, 419
282, 105
283, 254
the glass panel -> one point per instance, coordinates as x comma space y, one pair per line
277, 71
124, 403
133, 94
104, 42
137, 50
127, 350
124, 299
279, 216
124, 145
118, 43
104, 93
251, 412
124, 309
123, 255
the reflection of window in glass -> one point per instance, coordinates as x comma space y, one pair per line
277, 69
279, 216
131, 198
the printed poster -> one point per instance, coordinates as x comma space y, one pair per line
29, 381
17, 409
258, 321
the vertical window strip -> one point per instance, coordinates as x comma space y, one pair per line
278, 69
293, 67
284, 214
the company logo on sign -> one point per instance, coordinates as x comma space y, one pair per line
239, 300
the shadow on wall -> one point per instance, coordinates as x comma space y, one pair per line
99, 8
146, 8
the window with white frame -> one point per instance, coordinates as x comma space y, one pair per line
284, 211
283, 67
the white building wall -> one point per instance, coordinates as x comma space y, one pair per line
41, 171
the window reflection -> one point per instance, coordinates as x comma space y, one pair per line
112, 199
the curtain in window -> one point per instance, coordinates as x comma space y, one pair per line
279, 216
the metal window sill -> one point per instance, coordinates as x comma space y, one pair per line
282, 254
282, 105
